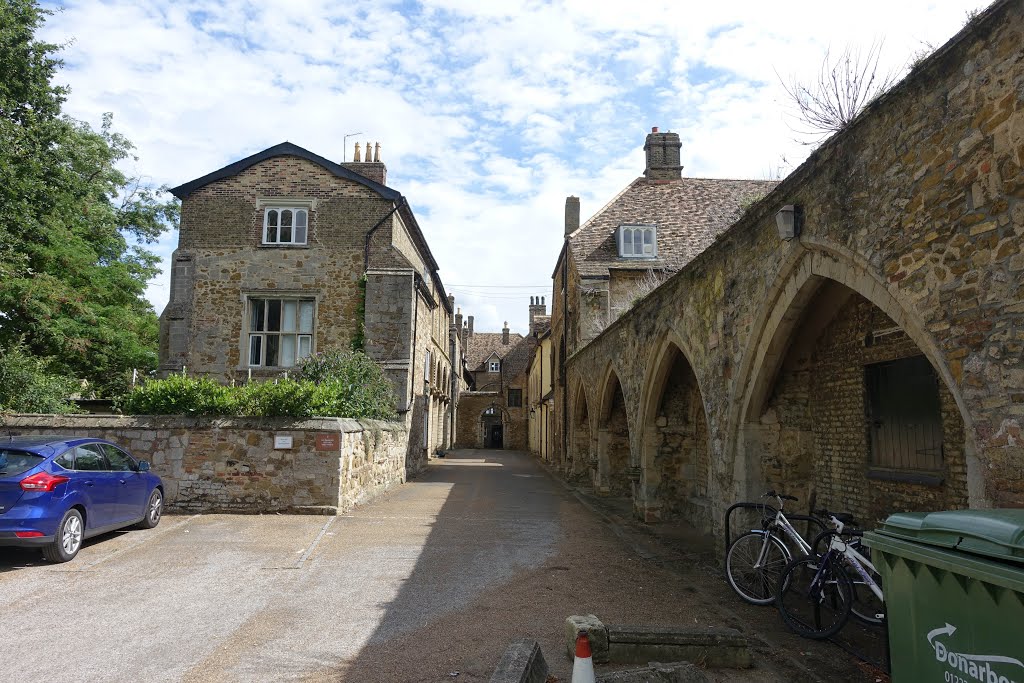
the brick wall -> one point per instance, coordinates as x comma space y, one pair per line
814, 430
232, 465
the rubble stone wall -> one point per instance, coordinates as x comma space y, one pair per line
917, 208
233, 465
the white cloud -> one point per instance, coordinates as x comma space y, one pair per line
489, 113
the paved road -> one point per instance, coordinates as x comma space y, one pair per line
433, 579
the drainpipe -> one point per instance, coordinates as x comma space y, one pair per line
369, 235
415, 326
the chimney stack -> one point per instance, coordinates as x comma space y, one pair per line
368, 165
470, 323
572, 214
537, 309
458, 320
662, 152
504, 334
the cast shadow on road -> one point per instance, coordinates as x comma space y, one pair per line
13, 558
500, 517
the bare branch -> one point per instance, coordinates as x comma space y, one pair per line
842, 89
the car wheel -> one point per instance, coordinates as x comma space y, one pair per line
154, 510
68, 539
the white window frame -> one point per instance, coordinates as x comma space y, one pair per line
300, 330
648, 241
278, 212
494, 366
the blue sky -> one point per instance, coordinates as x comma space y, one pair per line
488, 113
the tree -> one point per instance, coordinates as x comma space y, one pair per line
842, 89
73, 227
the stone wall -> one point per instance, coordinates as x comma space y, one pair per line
472, 404
232, 465
221, 260
918, 209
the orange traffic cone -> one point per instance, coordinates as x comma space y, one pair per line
583, 665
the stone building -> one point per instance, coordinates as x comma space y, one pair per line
855, 338
540, 391
494, 409
284, 254
651, 229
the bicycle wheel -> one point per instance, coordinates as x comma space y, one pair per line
814, 596
866, 606
753, 580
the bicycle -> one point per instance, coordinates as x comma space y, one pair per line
755, 560
816, 595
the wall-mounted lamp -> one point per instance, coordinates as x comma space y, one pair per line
790, 220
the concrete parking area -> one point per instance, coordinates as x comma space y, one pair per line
428, 583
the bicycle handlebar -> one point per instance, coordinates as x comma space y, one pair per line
844, 517
783, 496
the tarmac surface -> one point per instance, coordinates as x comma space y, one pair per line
430, 582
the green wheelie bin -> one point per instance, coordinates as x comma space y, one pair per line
954, 594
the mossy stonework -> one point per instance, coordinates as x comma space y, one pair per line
746, 370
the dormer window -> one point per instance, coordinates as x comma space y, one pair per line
495, 365
638, 241
285, 225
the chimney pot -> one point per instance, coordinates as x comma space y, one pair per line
572, 214
376, 153
504, 333
357, 156
654, 129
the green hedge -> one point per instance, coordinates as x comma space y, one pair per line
332, 384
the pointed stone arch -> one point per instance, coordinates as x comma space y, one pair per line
675, 452
582, 443
611, 476
794, 419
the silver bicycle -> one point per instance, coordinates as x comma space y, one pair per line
756, 559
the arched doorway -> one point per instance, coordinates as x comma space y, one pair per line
613, 454
492, 422
676, 459
845, 407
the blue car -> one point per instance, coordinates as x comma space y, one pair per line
57, 491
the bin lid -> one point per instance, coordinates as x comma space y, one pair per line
994, 533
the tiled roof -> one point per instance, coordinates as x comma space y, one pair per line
689, 214
516, 361
482, 344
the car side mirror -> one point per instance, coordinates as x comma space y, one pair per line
143, 466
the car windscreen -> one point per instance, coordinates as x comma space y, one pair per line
14, 462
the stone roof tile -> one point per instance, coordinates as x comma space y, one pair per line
482, 344
690, 213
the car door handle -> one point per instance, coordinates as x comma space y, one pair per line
122, 481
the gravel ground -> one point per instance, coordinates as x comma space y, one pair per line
599, 563
430, 582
